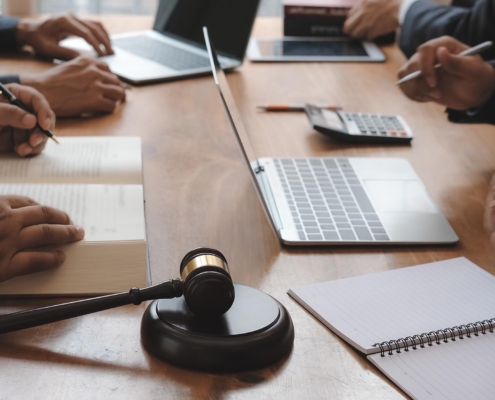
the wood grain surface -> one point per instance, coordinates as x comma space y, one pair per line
198, 192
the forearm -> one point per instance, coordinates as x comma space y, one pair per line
8, 34
426, 20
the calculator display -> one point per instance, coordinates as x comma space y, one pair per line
333, 120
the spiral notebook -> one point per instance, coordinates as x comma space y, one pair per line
429, 328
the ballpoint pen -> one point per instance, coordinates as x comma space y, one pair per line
293, 107
14, 100
469, 52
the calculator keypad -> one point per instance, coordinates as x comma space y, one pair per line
374, 125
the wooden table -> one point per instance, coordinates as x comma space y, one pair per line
198, 192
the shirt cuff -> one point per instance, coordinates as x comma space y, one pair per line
404, 8
9, 79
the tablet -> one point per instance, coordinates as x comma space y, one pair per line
290, 49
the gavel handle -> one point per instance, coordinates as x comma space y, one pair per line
46, 315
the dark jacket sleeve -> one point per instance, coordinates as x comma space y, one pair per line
9, 79
8, 41
426, 20
483, 114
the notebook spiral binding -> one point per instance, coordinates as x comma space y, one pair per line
442, 335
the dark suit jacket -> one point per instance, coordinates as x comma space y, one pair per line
8, 42
426, 20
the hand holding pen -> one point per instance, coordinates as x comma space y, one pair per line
21, 131
462, 82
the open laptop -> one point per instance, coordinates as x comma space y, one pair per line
336, 201
175, 47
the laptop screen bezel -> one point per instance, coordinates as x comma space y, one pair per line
158, 27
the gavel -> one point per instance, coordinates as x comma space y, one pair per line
204, 282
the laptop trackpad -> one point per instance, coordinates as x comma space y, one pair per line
399, 196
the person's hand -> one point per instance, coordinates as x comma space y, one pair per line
369, 19
80, 86
17, 131
26, 227
460, 83
44, 35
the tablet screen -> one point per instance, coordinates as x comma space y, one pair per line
311, 48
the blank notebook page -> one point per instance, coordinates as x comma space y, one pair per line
395, 304
463, 369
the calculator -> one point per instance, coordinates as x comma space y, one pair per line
359, 127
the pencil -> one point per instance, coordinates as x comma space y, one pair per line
469, 52
293, 107
14, 100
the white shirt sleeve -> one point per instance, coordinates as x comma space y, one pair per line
404, 8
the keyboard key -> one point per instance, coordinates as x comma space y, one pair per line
343, 226
314, 237
363, 233
306, 211
301, 235
325, 221
354, 216
297, 221
371, 217
375, 224
338, 213
312, 230
327, 227
362, 199
340, 219
312, 218
358, 223
330, 164
381, 237
331, 235
352, 210
322, 215
378, 231
299, 227
347, 234
309, 224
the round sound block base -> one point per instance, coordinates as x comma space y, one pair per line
257, 331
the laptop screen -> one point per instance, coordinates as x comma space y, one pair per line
235, 121
229, 22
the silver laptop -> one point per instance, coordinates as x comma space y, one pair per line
175, 46
337, 201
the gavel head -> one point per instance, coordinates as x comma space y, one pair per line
207, 285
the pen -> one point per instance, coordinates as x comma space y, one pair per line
293, 107
14, 100
469, 52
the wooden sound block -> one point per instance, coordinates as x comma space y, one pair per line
254, 333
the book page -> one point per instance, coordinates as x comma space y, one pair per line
395, 304
457, 370
106, 212
91, 159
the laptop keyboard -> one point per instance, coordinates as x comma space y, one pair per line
160, 52
327, 201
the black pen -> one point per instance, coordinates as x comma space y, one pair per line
14, 100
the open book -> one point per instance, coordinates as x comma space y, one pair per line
98, 182
429, 328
